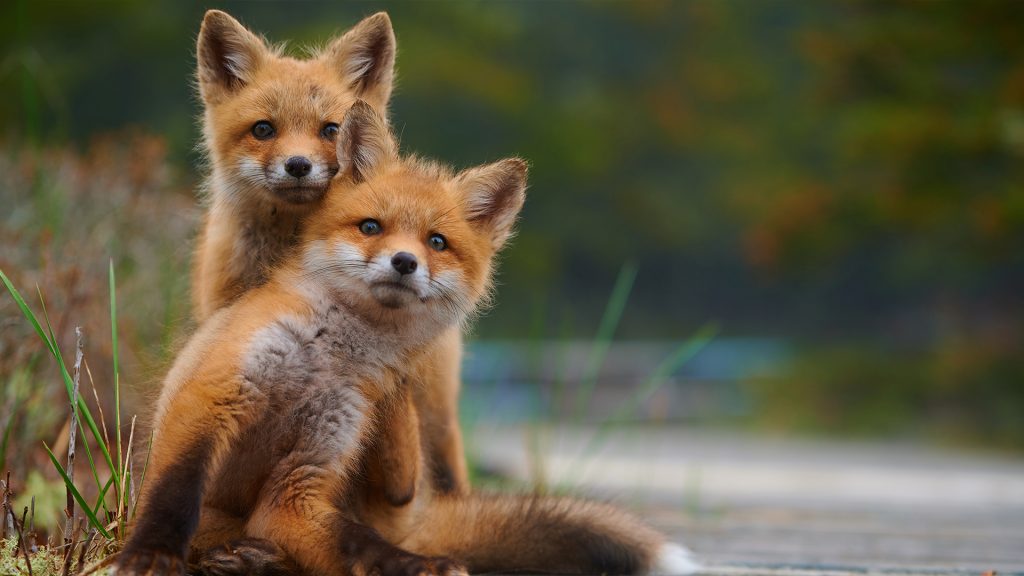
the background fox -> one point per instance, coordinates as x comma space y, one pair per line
270, 125
267, 410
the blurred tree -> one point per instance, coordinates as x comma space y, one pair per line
844, 174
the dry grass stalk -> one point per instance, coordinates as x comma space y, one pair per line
8, 520
85, 548
69, 510
20, 531
121, 511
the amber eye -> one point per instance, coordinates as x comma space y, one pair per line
437, 242
370, 227
329, 131
263, 130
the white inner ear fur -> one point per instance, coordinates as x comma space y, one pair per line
228, 50
365, 56
356, 66
494, 195
238, 61
485, 200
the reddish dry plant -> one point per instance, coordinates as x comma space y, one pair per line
73, 213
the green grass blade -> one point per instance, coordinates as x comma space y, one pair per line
683, 354
77, 495
669, 366
26, 311
83, 408
117, 382
92, 462
142, 478
95, 429
606, 330
51, 345
101, 500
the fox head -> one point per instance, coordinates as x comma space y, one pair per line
271, 122
407, 238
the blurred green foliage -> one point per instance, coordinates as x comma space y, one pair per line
844, 175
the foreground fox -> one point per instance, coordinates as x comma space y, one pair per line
270, 126
266, 412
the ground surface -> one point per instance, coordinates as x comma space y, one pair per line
754, 506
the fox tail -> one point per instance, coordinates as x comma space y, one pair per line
542, 534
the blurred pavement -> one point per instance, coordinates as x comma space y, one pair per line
751, 505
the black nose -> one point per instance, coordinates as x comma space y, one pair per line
404, 262
298, 166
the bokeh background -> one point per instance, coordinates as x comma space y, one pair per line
787, 217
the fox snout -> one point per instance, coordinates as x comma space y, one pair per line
298, 178
404, 263
298, 166
397, 278
399, 264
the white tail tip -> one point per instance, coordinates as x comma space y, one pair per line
674, 560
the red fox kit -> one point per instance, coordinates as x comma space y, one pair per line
263, 417
270, 127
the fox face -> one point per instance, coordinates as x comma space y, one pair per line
271, 122
407, 236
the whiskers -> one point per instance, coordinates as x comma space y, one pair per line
450, 296
445, 295
334, 270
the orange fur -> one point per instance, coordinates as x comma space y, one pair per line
265, 416
256, 211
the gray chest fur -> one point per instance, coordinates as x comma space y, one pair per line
309, 369
330, 349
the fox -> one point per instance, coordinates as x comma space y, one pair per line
267, 410
270, 126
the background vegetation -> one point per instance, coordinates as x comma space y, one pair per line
844, 178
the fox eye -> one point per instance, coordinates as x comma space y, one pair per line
437, 242
263, 130
329, 131
370, 227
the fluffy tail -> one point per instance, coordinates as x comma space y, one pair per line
492, 533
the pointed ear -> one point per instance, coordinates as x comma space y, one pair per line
493, 195
365, 142
228, 55
365, 59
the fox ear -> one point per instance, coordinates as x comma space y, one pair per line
365, 59
228, 55
493, 195
364, 142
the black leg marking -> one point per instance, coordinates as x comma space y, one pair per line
171, 513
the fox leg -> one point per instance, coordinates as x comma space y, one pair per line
247, 556
298, 530
197, 427
362, 551
216, 526
435, 381
300, 516
393, 465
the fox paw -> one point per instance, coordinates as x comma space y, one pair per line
414, 565
246, 556
148, 563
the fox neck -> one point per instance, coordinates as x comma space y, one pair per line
259, 231
397, 332
250, 200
